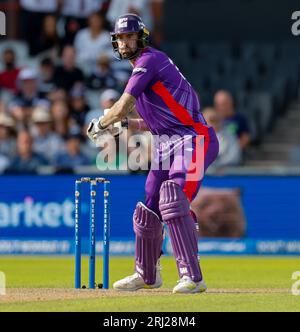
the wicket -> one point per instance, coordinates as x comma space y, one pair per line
92, 228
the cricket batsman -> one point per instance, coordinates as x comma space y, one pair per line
167, 105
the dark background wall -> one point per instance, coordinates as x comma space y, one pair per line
229, 20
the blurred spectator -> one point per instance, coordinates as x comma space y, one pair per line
4, 163
7, 133
29, 97
103, 76
46, 142
8, 77
93, 41
235, 122
26, 161
72, 156
107, 99
229, 148
57, 95
139, 7
46, 77
75, 13
122, 71
60, 114
33, 13
66, 75
47, 40
78, 105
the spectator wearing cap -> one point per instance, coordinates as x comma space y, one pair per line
67, 74
7, 135
26, 160
234, 121
9, 75
21, 106
103, 76
92, 41
46, 142
78, 105
73, 155
107, 99
229, 147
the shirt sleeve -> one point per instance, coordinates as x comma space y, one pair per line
142, 75
243, 126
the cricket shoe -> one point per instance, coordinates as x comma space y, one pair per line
187, 286
135, 282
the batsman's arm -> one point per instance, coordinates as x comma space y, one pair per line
118, 111
137, 124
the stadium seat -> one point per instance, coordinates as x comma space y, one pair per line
180, 53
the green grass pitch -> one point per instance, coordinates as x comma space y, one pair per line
234, 284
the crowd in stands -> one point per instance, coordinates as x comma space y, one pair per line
70, 75
57, 78
232, 130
